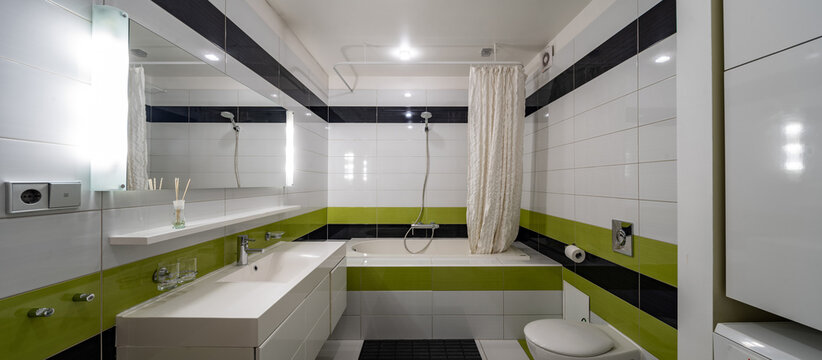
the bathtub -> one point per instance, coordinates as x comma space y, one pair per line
439, 248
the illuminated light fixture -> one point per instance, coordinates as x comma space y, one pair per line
546, 114
405, 53
662, 59
273, 95
308, 114
794, 166
410, 126
793, 129
289, 148
108, 129
793, 148
407, 94
408, 114
211, 57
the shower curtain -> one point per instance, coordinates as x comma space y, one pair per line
496, 112
137, 163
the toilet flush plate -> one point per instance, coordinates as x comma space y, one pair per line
622, 236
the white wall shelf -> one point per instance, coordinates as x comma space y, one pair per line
160, 234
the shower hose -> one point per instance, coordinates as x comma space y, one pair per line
422, 204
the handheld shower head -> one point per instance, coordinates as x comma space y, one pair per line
228, 115
426, 115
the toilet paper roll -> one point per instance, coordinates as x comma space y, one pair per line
574, 253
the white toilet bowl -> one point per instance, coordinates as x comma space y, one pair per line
557, 339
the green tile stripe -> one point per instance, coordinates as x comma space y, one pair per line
395, 215
294, 227
454, 278
524, 346
22, 337
653, 335
653, 258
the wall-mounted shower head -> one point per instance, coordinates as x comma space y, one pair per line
228, 115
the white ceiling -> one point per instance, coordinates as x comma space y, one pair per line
452, 30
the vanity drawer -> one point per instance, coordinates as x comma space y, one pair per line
339, 293
23, 337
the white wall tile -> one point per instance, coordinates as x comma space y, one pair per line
657, 181
658, 220
561, 109
356, 98
468, 302
617, 115
599, 211
658, 141
611, 149
560, 133
559, 181
618, 81
352, 132
467, 327
658, 101
398, 98
352, 148
653, 65
563, 59
613, 181
397, 327
458, 97
613, 19
560, 205
560, 157
347, 329
533, 302
396, 302
37, 251
645, 5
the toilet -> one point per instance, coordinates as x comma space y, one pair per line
558, 339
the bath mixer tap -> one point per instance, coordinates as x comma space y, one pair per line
243, 250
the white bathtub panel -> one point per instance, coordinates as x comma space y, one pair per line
396, 302
613, 181
533, 302
396, 327
468, 302
658, 101
651, 67
468, 326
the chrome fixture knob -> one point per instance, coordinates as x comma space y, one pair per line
161, 274
83, 297
274, 235
41, 312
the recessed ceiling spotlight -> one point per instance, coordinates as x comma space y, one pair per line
408, 114
662, 59
546, 114
405, 53
410, 126
308, 114
211, 57
407, 94
273, 95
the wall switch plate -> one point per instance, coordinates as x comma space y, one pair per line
26, 196
64, 195
622, 237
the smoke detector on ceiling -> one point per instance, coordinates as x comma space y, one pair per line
487, 52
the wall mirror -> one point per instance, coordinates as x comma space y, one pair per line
199, 123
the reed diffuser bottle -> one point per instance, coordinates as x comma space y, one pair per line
179, 205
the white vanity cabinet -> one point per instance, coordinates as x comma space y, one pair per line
282, 305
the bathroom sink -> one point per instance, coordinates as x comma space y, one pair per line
235, 306
280, 264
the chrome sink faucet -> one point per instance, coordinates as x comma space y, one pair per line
243, 250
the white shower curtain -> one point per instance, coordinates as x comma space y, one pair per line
137, 163
496, 112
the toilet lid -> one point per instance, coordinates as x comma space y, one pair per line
568, 338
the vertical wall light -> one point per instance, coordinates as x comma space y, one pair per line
108, 125
289, 148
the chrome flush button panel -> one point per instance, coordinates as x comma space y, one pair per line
622, 237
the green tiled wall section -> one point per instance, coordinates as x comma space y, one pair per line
653, 335
653, 258
395, 215
454, 278
122, 287
22, 337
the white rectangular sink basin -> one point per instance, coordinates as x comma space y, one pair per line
280, 264
236, 306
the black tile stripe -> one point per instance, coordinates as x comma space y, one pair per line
656, 298
348, 231
208, 21
211, 114
397, 114
419, 349
654, 25
91, 348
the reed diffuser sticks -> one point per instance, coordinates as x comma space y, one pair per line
179, 204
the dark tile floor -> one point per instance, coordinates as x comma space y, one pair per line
419, 349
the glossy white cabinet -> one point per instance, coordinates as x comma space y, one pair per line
756, 28
773, 144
